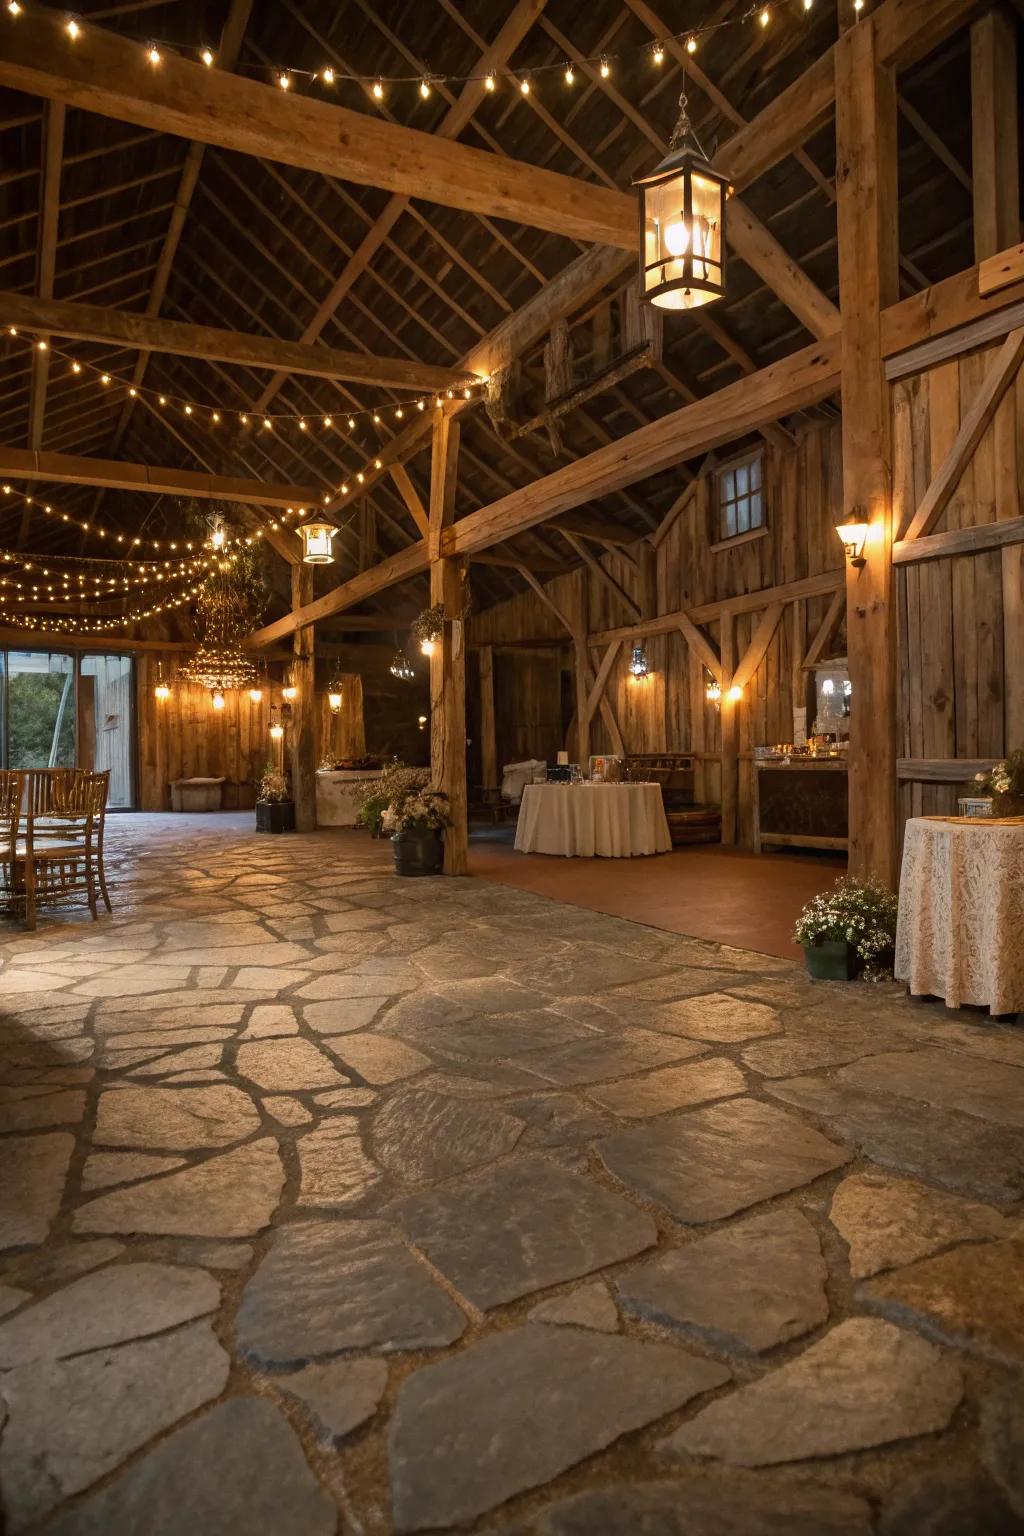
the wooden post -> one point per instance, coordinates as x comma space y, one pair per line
303, 722
996, 227
868, 281
448, 663
730, 723
581, 671
488, 734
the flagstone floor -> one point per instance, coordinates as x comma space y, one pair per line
334, 1202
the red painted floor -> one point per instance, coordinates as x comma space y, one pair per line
722, 894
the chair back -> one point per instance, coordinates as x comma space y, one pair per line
12, 787
48, 790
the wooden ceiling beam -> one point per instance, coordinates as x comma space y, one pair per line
71, 469
93, 322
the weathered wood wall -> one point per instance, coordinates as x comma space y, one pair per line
669, 710
961, 620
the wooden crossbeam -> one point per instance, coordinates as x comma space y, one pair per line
825, 631
760, 640
74, 469
1001, 374
399, 567
92, 322
705, 613
699, 643
49, 215
1001, 271
960, 541
596, 693
592, 563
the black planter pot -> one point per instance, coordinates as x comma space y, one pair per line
419, 852
275, 816
832, 960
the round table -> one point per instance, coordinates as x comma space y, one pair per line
612, 821
960, 934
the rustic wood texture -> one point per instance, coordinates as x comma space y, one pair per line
448, 662
302, 742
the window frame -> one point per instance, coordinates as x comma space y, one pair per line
752, 460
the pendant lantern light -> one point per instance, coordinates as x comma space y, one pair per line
316, 543
682, 224
334, 694
161, 689
401, 667
639, 666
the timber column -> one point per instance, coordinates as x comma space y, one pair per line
867, 216
303, 722
448, 662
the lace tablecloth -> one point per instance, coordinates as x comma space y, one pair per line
614, 821
961, 922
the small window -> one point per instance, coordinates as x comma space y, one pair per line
740, 497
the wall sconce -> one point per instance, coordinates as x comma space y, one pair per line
316, 543
161, 690
854, 536
255, 695
735, 693
422, 722
427, 647
217, 699
713, 691
276, 728
639, 666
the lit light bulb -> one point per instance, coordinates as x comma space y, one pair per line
691, 45
289, 692
489, 83
424, 88
104, 378
217, 700
153, 55
735, 693
276, 732
606, 68
284, 81
765, 17
570, 74
327, 75
14, 8
328, 422
72, 29
378, 90
427, 647
161, 692
207, 57
42, 346
255, 695
524, 85
677, 238
351, 424
658, 54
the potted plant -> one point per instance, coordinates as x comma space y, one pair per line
1005, 784
275, 809
415, 819
374, 797
848, 929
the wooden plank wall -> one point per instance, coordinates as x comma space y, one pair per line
669, 711
961, 625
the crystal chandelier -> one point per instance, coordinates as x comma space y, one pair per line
401, 667
226, 607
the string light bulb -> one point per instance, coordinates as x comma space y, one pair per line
764, 19
153, 55
524, 85
570, 74
606, 68
489, 83
424, 88
378, 90
72, 29
658, 54
327, 75
207, 57
14, 9
691, 44
284, 81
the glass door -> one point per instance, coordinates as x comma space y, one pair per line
105, 694
40, 710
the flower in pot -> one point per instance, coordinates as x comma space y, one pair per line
374, 797
415, 821
849, 929
1005, 783
275, 809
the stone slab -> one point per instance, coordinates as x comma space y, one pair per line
377, 1059
589, 1306
287, 1066
174, 1119
745, 1289
109, 1306
458, 1446
111, 1401
231, 1195
888, 1221
866, 1383
1001, 1439
520, 1229
948, 1501
330, 1286
990, 1090
103, 1169
422, 1136
704, 1507
709, 1163
336, 1173
971, 1297
237, 1468
337, 1397
657, 1093
594, 1060
32, 1174
720, 1018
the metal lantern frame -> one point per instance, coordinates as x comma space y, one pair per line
699, 277
639, 665
317, 537
335, 694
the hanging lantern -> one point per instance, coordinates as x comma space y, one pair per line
639, 666
682, 224
713, 691
401, 667
276, 728
316, 543
334, 692
161, 690
289, 691
217, 699
255, 695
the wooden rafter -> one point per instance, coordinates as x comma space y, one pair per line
72, 469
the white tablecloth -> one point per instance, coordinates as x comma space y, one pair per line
961, 925
614, 821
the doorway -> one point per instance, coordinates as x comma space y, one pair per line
65, 710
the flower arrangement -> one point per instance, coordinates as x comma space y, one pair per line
422, 812
1005, 783
396, 782
858, 914
273, 788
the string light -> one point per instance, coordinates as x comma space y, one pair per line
424, 88
489, 83
153, 56
691, 45
765, 17
207, 57
606, 67
658, 54
570, 74
524, 85
327, 76
72, 29
378, 89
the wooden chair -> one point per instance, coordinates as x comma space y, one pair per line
60, 853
